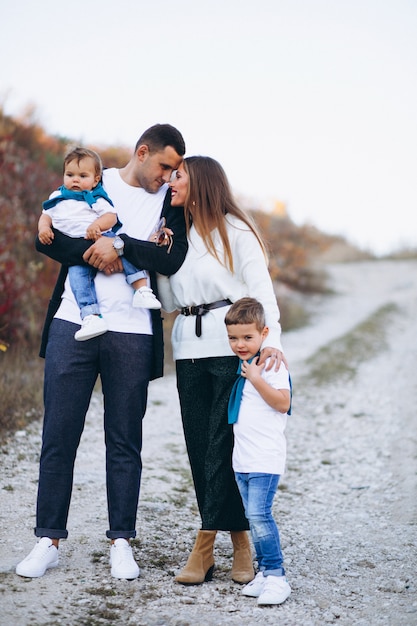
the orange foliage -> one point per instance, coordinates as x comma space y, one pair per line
292, 250
30, 168
24, 183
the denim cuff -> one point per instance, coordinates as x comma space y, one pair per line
121, 534
274, 572
52, 533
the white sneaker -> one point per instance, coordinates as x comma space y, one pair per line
145, 298
91, 326
276, 590
254, 588
123, 565
43, 556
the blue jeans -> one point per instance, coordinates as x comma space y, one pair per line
123, 361
257, 492
81, 278
132, 274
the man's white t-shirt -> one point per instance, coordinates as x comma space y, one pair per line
139, 212
260, 444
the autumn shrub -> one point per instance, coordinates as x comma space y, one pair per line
25, 182
30, 168
292, 252
21, 384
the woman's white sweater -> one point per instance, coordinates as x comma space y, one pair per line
202, 280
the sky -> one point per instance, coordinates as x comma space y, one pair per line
310, 103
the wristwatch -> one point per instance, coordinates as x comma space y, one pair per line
118, 245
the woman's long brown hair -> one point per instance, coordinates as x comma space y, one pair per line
208, 201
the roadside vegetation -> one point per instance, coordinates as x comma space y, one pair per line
340, 359
30, 168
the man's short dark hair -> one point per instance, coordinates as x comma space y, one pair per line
159, 136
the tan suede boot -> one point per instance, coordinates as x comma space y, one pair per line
200, 564
242, 568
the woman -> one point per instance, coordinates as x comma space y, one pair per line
226, 260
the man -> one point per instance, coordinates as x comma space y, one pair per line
127, 357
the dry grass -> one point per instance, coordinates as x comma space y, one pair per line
21, 388
339, 359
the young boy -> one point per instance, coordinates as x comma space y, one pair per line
258, 408
81, 208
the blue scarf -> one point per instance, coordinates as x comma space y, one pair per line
236, 394
87, 196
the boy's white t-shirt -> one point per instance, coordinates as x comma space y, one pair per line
260, 443
73, 217
139, 212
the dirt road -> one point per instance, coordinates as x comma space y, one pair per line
347, 507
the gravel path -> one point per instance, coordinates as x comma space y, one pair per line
347, 506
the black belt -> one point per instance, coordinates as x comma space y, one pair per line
202, 309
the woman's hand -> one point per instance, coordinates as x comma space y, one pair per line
162, 237
276, 357
114, 267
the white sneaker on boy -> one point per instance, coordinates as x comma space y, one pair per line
254, 588
91, 326
275, 591
43, 556
144, 298
123, 565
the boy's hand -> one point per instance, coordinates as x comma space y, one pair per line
93, 232
252, 371
46, 235
101, 253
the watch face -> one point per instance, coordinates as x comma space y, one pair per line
118, 243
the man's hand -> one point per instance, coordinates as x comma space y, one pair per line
277, 357
101, 253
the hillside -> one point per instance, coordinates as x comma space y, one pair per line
30, 168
